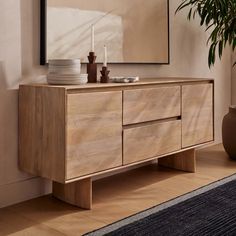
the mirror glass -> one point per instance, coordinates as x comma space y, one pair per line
134, 31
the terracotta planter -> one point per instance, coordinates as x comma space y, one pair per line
229, 132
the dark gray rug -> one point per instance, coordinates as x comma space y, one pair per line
210, 210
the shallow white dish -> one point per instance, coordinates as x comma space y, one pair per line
64, 71
67, 77
72, 75
67, 82
75, 76
64, 66
64, 62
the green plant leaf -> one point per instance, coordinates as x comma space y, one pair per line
220, 48
219, 17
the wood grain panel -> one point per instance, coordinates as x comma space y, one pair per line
94, 132
151, 140
151, 104
197, 114
142, 83
42, 131
78, 193
185, 161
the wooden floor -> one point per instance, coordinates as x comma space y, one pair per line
115, 197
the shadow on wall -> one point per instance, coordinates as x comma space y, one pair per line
30, 42
9, 172
3, 80
192, 45
6, 83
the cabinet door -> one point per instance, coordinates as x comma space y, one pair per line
141, 105
197, 114
94, 132
152, 140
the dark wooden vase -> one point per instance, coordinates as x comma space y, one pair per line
229, 132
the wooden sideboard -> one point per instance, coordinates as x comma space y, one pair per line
70, 134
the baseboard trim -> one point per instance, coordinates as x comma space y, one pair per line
24, 190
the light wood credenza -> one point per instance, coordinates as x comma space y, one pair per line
70, 134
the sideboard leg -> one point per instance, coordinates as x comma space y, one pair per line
78, 193
185, 161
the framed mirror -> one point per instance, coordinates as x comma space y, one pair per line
134, 31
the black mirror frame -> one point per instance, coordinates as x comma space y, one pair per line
43, 32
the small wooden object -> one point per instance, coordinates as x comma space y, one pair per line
92, 68
105, 73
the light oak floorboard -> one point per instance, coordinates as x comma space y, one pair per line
115, 197
12, 223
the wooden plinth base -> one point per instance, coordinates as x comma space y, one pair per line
181, 161
77, 193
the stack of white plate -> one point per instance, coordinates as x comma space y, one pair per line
65, 71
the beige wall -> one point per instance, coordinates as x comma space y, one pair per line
233, 89
19, 61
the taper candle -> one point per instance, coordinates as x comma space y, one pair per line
92, 38
105, 56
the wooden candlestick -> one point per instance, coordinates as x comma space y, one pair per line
105, 73
92, 68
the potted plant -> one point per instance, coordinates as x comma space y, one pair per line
219, 18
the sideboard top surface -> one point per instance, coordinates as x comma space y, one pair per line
143, 81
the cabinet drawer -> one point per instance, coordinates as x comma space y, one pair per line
142, 105
148, 141
93, 132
